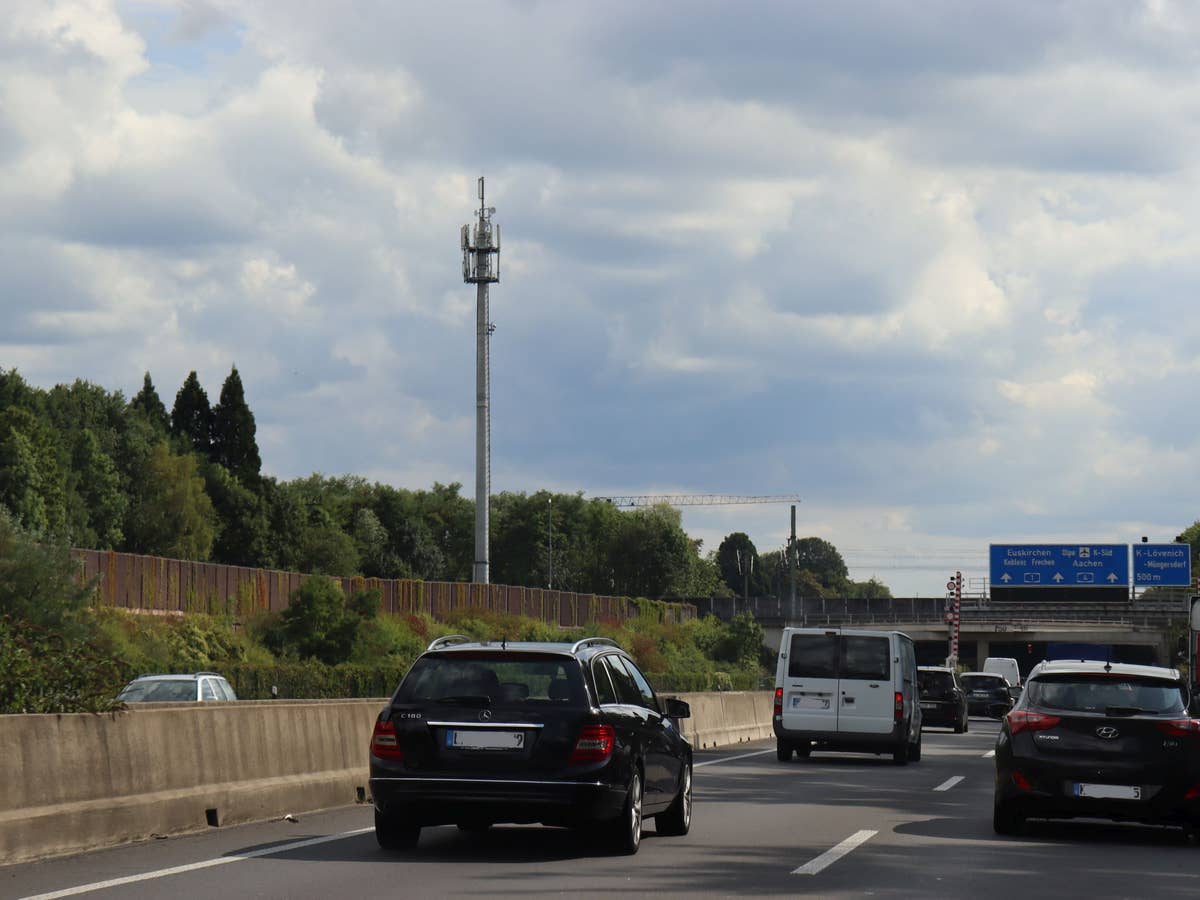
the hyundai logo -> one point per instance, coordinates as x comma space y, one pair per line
485, 715
1107, 732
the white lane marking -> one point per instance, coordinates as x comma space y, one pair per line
831, 856
191, 867
989, 754
949, 783
725, 759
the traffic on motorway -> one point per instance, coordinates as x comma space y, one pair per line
874, 783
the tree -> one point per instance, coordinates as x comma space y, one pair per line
651, 554
737, 559
822, 559
316, 622
148, 404
233, 432
97, 489
38, 582
327, 550
33, 480
243, 535
191, 417
171, 514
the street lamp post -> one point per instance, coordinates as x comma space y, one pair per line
550, 526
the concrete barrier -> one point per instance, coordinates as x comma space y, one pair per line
78, 782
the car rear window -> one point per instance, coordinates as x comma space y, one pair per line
935, 681
1102, 693
983, 682
164, 691
493, 679
839, 656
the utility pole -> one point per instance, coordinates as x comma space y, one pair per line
550, 524
792, 560
481, 266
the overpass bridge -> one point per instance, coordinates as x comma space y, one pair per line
1136, 630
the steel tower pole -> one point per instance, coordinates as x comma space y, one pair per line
483, 437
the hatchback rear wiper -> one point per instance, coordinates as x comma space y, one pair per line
466, 700
1128, 711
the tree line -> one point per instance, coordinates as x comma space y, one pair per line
85, 465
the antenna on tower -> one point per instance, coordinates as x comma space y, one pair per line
481, 266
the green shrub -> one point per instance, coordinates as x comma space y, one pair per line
42, 671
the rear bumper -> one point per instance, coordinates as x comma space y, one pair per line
993, 708
883, 742
945, 714
447, 800
1051, 797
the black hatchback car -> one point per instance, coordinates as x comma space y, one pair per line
504, 732
987, 694
943, 701
1099, 740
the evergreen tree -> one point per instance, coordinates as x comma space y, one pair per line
147, 402
191, 417
233, 442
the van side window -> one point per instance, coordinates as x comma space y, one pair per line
866, 657
813, 656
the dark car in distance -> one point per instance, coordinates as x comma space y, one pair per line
943, 701
481, 733
987, 694
1099, 740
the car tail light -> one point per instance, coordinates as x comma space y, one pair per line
1192, 793
1180, 727
779, 701
384, 743
1021, 720
595, 744
898, 710
1021, 781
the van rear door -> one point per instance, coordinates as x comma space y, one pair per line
866, 696
810, 683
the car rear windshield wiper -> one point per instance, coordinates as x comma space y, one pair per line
480, 700
1128, 711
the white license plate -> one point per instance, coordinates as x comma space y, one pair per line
486, 740
1109, 791
810, 703
928, 706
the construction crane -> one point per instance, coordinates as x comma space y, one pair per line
695, 500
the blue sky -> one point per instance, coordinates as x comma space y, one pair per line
930, 267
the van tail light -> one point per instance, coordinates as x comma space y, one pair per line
779, 701
595, 744
384, 743
1022, 720
1180, 727
1021, 781
898, 710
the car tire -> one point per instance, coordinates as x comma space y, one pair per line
677, 819
627, 829
395, 833
961, 725
900, 753
1006, 819
914, 750
966, 723
803, 749
783, 750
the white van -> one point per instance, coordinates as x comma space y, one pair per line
1006, 667
844, 689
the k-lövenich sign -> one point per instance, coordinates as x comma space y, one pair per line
1162, 565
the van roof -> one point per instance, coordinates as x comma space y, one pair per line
838, 629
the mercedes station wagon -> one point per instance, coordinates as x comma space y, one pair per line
1099, 740
480, 733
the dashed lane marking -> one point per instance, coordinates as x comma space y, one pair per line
191, 867
829, 857
989, 754
949, 783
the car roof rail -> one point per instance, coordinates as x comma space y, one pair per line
447, 640
579, 645
217, 674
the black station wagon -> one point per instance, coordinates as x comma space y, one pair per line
505, 732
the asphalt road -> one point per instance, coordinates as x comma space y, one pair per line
835, 825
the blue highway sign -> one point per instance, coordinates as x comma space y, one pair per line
1059, 565
1162, 565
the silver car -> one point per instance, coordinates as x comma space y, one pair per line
202, 687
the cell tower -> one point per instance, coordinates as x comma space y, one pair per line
481, 267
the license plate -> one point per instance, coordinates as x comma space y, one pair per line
810, 703
928, 706
1109, 791
485, 740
